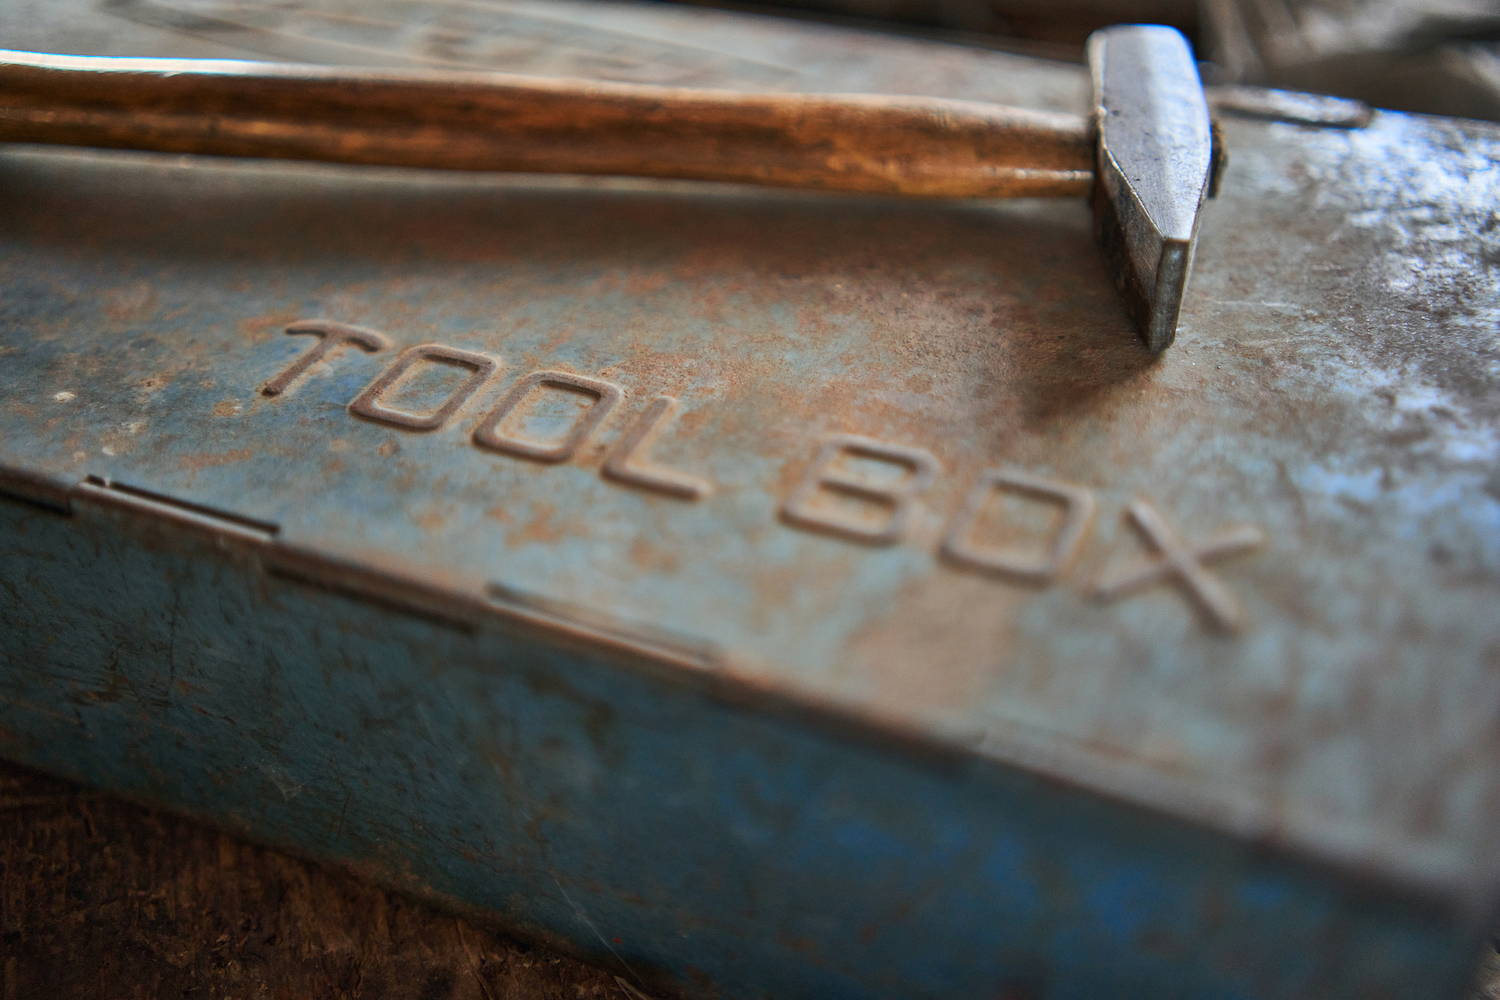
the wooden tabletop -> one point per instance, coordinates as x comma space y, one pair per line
101, 898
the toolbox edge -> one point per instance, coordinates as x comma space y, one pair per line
290, 797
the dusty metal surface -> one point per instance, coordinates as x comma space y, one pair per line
931, 471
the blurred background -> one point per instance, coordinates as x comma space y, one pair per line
1432, 56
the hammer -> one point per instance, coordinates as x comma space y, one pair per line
1146, 155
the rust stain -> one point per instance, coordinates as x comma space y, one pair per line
266, 326
125, 305
197, 463
541, 527
645, 284
969, 618
558, 339
652, 558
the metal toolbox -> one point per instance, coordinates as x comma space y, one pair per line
774, 594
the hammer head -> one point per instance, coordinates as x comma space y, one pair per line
1156, 156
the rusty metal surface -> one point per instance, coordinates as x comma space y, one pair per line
944, 394
787, 323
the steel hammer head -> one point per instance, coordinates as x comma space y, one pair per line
1155, 160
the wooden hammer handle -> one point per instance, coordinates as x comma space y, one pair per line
495, 121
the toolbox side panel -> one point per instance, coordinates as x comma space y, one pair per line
641, 816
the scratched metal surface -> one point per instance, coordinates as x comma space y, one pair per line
1328, 414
